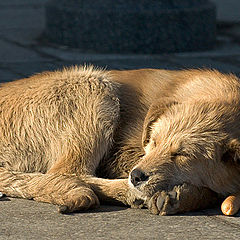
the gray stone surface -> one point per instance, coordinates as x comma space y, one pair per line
12, 53
7, 75
19, 18
31, 220
204, 62
32, 67
228, 11
221, 48
233, 31
22, 55
136, 26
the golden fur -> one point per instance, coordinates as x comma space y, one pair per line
74, 137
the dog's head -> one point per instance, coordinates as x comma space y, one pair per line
183, 143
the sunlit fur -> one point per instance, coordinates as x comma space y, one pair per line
192, 136
72, 137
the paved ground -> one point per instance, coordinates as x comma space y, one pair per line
22, 54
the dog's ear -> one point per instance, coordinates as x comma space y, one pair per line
154, 113
232, 151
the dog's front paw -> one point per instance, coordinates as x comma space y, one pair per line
182, 198
135, 199
79, 199
137, 203
164, 203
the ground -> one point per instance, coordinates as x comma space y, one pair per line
22, 53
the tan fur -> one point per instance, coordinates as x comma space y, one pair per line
61, 131
195, 138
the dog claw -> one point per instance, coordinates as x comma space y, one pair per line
164, 203
160, 202
63, 209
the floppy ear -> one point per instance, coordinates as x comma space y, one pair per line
155, 111
232, 151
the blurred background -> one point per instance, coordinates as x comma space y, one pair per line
173, 34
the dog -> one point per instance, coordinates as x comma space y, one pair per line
162, 139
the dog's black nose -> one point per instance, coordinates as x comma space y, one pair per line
137, 176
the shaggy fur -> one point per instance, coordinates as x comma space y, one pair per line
73, 137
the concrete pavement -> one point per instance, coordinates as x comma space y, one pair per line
23, 219
22, 53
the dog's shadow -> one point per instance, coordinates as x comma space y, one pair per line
101, 209
3, 198
210, 212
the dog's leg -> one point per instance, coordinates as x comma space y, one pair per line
182, 198
67, 191
74, 194
115, 191
70, 192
